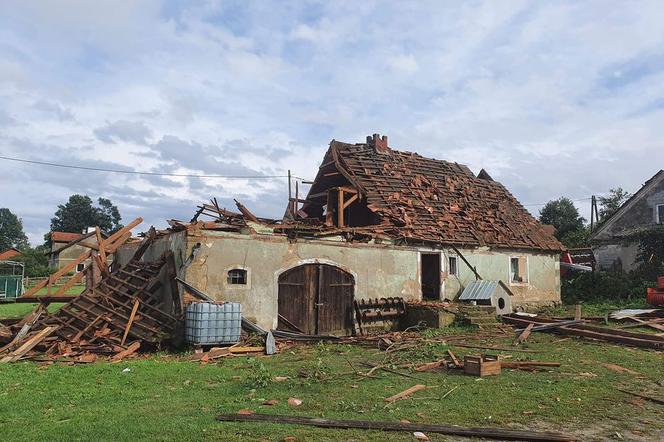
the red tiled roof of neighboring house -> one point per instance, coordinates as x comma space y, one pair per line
9, 253
64, 236
432, 200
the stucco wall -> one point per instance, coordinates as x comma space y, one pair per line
379, 270
543, 285
616, 257
67, 256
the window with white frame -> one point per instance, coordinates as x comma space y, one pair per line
80, 267
518, 269
660, 214
453, 265
237, 277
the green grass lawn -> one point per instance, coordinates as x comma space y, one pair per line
19, 310
165, 397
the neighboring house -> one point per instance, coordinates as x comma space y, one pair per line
9, 254
611, 242
376, 223
66, 247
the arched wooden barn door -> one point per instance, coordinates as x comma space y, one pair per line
316, 299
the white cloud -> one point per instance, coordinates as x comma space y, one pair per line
527, 90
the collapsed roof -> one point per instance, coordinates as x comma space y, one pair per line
407, 196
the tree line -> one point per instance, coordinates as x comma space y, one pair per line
571, 228
74, 216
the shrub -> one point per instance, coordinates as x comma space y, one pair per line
604, 286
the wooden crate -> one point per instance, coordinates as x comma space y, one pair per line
481, 366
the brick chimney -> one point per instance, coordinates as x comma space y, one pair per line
379, 143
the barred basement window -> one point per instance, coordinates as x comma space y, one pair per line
237, 276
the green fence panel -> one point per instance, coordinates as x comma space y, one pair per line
10, 286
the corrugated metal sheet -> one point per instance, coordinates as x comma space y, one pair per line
478, 290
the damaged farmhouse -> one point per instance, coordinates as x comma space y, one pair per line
377, 223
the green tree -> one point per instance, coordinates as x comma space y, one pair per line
650, 256
35, 261
11, 231
564, 216
608, 205
78, 214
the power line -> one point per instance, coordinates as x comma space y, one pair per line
544, 204
134, 172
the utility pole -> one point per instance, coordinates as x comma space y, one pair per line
592, 213
290, 195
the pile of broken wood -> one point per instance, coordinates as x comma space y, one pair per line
577, 327
135, 306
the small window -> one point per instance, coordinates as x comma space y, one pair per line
518, 270
660, 214
80, 267
237, 276
453, 266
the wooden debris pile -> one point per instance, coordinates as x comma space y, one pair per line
136, 306
578, 328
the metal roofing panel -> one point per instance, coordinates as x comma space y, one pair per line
478, 290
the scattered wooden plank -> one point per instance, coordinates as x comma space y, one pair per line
643, 396
485, 347
133, 348
453, 430
524, 334
520, 364
214, 353
455, 360
238, 349
620, 369
652, 324
28, 345
290, 324
404, 394
430, 366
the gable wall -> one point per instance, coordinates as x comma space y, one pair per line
611, 251
641, 214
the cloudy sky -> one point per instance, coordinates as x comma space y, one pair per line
552, 98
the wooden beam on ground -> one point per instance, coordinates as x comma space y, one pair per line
524, 334
133, 348
404, 394
452, 430
28, 345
